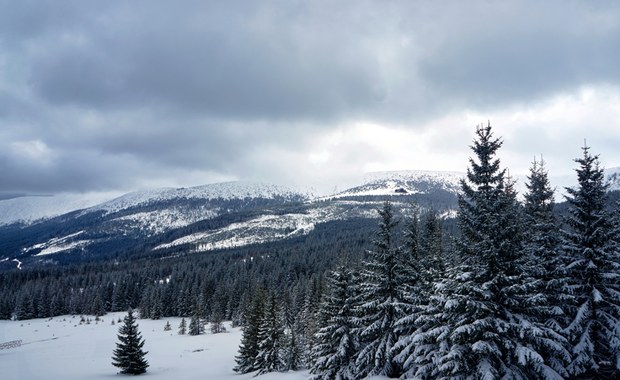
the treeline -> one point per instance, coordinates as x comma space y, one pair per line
520, 295
183, 284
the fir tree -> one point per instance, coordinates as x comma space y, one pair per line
249, 348
541, 248
167, 326
293, 356
594, 273
128, 355
381, 303
195, 326
336, 343
475, 326
182, 327
270, 339
423, 265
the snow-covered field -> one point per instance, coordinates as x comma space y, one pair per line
63, 349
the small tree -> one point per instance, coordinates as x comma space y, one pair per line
195, 325
128, 355
182, 327
167, 326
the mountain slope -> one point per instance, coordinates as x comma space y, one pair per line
218, 216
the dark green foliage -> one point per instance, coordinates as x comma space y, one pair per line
182, 327
270, 340
336, 342
249, 348
195, 326
381, 303
128, 355
593, 263
477, 325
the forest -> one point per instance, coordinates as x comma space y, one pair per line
518, 288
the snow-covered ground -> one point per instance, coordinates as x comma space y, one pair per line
63, 349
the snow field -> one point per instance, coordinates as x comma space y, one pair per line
63, 349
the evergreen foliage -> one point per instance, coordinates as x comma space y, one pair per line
128, 355
249, 348
195, 326
382, 303
270, 356
336, 342
423, 266
182, 327
477, 326
593, 264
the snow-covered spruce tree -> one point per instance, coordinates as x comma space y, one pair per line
541, 248
182, 327
381, 303
195, 325
293, 352
336, 344
594, 274
248, 350
128, 355
270, 356
476, 327
422, 265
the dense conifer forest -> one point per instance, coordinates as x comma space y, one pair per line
517, 288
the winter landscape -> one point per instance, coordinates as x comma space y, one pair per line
310, 190
65, 348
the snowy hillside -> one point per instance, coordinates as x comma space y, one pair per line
404, 183
612, 176
223, 191
32, 208
61, 348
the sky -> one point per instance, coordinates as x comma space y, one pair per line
116, 96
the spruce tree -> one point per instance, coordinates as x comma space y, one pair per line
336, 344
270, 340
195, 326
182, 327
249, 348
477, 326
381, 303
128, 355
423, 265
593, 264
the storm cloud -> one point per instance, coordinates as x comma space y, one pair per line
98, 96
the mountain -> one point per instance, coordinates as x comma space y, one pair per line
218, 216
174, 221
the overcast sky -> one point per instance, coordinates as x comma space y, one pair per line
100, 96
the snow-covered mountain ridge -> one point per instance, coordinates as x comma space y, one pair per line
225, 215
404, 182
222, 191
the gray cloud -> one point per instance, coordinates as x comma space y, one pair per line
110, 95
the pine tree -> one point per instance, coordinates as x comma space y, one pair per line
249, 348
270, 338
182, 327
167, 326
594, 273
381, 303
128, 355
336, 343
